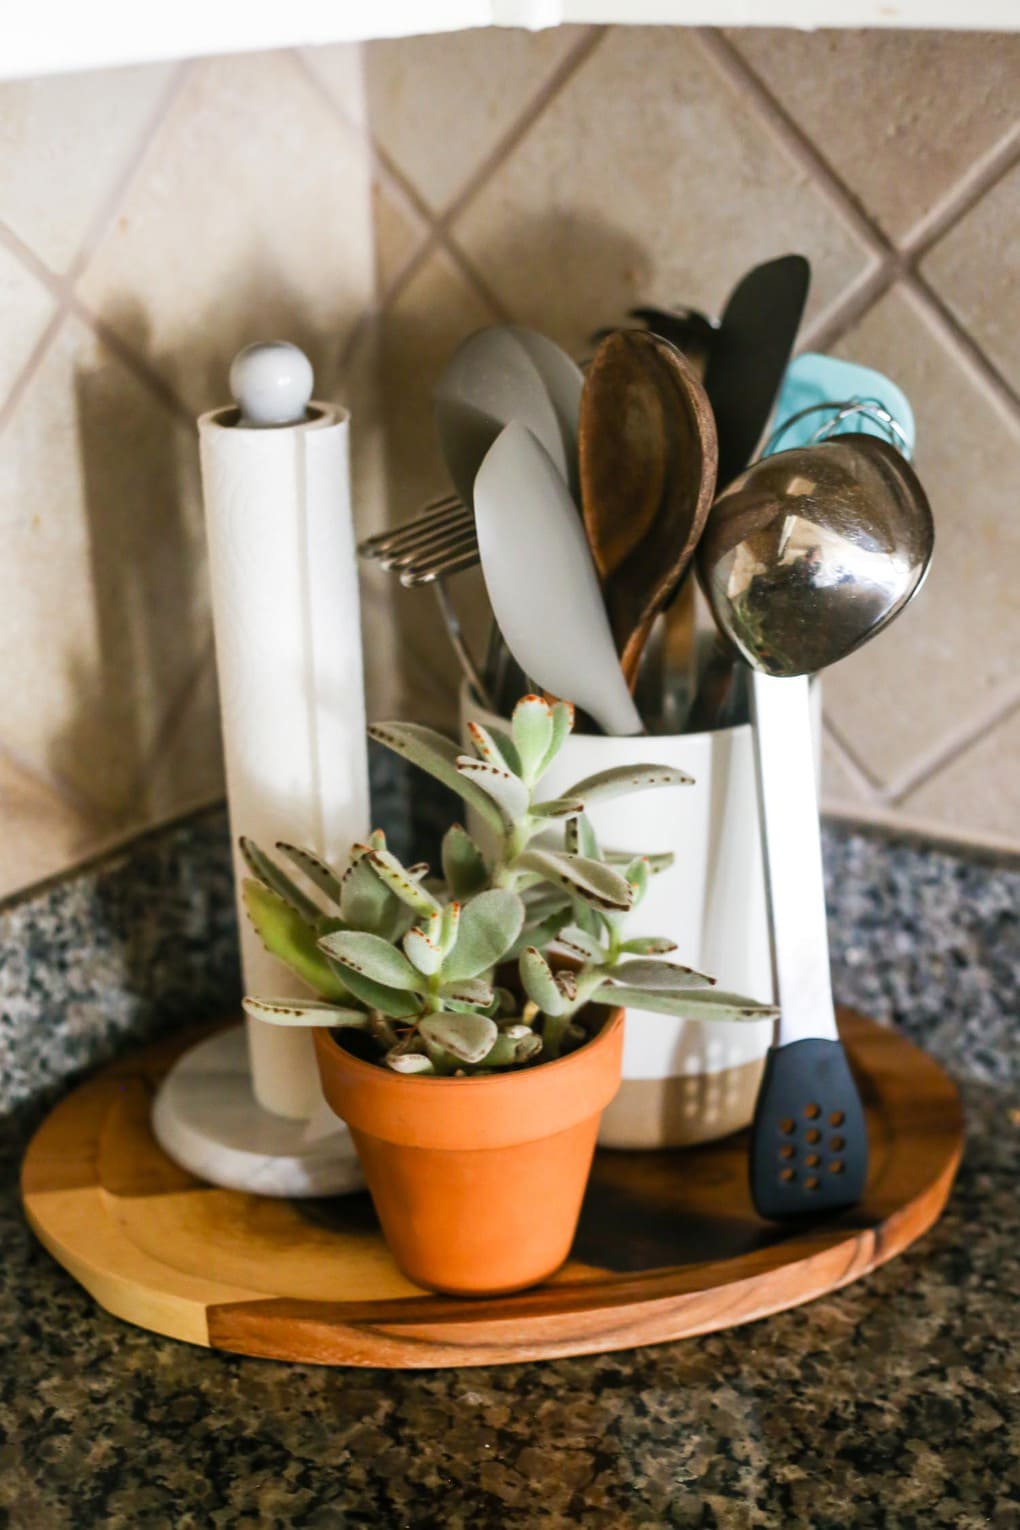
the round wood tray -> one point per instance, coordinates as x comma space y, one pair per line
668, 1245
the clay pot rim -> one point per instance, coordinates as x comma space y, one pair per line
516, 1106
431, 1082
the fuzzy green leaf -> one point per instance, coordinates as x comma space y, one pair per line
656, 863
489, 924
449, 924
597, 884
685, 1004
495, 747
473, 991
649, 945
273, 876
400, 881
638, 875
562, 726
538, 932
314, 868
291, 939
578, 942
506, 790
468, 1038
662, 975
558, 807
622, 779
304, 1012
540, 985
423, 952
463, 863
409, 1062
580, 838
532, 729
366, 903
370, 957
433, 753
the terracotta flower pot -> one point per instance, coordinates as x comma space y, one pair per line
478, 1183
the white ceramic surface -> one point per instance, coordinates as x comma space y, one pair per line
686, 1081
206, 1119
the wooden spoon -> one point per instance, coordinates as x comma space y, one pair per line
648, 467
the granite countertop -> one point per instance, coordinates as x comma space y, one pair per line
891, 1403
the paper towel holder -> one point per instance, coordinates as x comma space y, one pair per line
205, 1115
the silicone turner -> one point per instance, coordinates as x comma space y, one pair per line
809, 1144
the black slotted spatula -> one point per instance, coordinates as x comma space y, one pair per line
809, 1145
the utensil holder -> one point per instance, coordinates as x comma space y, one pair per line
684, 1081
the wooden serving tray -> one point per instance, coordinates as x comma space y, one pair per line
668, 1245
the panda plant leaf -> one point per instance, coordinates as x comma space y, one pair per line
507, 961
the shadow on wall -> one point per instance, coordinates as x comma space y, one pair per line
416, 341
147, 582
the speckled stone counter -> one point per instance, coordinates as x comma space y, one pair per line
892, 1403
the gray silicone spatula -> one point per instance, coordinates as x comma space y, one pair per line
806, 557
542, 583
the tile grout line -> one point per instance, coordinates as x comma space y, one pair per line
106, 212
743, 79
60, 285
981, 176
848, 757
745, 82
536, 107
966, 349
940, 756
134, 796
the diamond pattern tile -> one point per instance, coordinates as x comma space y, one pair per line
976, 270
245, 223
103, 602
901, 116
947, 658
25, 309
64, 142
645, 178
439, 105
977, 794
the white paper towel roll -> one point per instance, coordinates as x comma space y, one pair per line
288, 650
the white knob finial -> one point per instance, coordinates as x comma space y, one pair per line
272, 383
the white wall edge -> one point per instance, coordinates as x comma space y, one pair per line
68, 35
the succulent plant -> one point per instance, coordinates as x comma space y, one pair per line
420, 966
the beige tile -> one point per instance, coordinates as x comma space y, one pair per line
40, 834
899, 115
103, 601
948, 657
976, 269
646, 178
245, 223
417, 336
842, 790
186, 768
978, 793
439, 105
64, 142
25, 309
339, 71
398, 233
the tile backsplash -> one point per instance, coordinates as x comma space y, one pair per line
375, 205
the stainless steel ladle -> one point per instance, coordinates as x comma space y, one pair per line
807, 555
